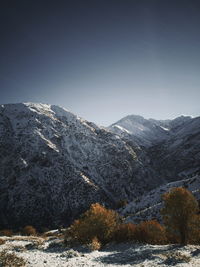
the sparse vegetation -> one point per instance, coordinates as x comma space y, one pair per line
173, 258
124, 232
29, 230
97, 222
150, 232
6, 232
2, 241
8, 259
95, 244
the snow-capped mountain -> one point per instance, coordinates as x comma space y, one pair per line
145, 132
173, 149
53, 164
172, 146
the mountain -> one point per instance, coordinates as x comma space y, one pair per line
148, 206
144, 132
55, 164
172, 146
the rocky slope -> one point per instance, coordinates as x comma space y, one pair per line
148, 206
142, 131
54, 165
172, 146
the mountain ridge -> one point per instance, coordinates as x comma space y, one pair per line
54, 164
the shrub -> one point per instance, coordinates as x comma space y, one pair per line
29, 230
173, 258
171, 237
124, 232
10, 259
180, 207
97, 222
6, 232
194, 233
2, 241
95, 244
150, 232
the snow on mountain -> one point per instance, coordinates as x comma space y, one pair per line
145, 132
149, 205
55, 164
180, 153
172, 146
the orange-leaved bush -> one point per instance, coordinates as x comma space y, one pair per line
96, 222
194, 230
124, 232
150, 232
95, 244
6, 232
29, 230
180, 207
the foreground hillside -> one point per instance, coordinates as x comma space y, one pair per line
49, 251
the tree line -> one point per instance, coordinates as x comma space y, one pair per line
180, 216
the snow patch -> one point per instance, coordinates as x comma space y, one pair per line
122, 129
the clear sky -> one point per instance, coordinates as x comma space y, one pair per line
102, 59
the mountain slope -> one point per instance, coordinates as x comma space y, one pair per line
54, 165
172, 146
148, 206
144, 132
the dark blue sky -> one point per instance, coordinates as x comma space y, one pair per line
102, 59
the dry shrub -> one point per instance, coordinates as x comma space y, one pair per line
172, 238
124, 232
176, 257
180, 207
2, 241
6, 232
150, 232
194, 233
11, 260
97, 222
95, 244
29, 230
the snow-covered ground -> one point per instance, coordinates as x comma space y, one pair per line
51, 252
